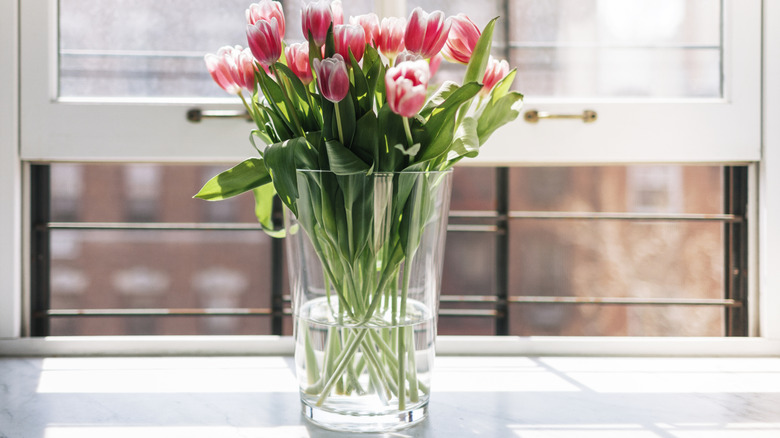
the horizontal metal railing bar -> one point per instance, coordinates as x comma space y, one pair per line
158, 312
627, 301
228, 226
58, 313
593, 300
473, 228
154, 226
467, 312
670, 217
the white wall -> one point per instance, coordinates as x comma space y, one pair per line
10, 180
770, 177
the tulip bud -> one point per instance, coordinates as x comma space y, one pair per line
349, 36
264, 41
391, 37
426, 33
338, 12
332, 78
494, 72
407, 56
462, 39
370, 25
298, 61
406, 85
266, 10
316, 18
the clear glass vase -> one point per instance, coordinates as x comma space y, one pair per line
365, 256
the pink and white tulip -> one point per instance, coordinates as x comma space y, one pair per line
332, 78
391, 37
349, 37
370, 25
406, 85
232, 68
266, 10
298, 61
264, 41
338, 12
462, 39
426, 33
494, 72
316, 18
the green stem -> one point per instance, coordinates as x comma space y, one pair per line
408, 131
344, 358
338, 123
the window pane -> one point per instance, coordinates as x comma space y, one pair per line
153, 269
616, 48
151, 48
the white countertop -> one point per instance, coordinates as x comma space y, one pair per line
523, 397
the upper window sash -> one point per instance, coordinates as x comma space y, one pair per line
717, 130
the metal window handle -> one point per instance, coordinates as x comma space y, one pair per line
533, 116
195, 115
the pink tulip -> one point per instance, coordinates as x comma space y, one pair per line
426, 33
494, 72
338, 12
370, 25
349, 36
243, 68
266, 10
332, 78
219, 68
434, 63
298, 60
462, 39
406, 85
232, 68
391, 37
317, 18
264, 41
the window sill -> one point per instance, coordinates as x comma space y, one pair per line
445, 346
481, 395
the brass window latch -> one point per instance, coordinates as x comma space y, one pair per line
533, 116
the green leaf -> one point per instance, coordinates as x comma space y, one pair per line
262, 135
497, 114
466, 143
446, 89
241, 178
411, 152
280, 160
342, 160
364, 101
391, 129
479, 58
374, 71
347, 114
273, 92
365, 143
299, 98
264, 197
441, 124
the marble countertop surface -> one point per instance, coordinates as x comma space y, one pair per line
523, 397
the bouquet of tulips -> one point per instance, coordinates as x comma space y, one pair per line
354, 99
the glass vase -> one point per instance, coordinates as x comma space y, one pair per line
365, 258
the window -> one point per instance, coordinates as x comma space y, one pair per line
676, 104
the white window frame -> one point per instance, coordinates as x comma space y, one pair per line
764, 215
